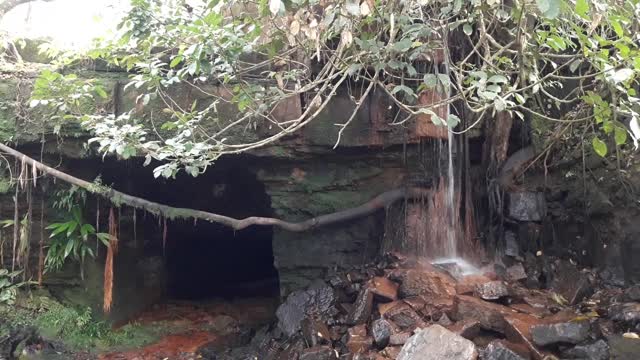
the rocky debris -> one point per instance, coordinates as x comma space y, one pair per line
315, 332
628, 313
599, 350
489, 315
572, 332
516, 272
570, 282
301, 304
632, 293
384, 288
318, 353
492, 290
362, 307
497, 350
437, 343
381, 330
526, 206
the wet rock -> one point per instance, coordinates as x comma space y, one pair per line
526, 206
497, 350
467, 285
362, 308
430, 283
435, 307
599, 350
385, 307
384, 288
452, 268
318, 353
632, 293
437, 343
315, 332
312, 303
357, 340
627, 312
492, 290
573, 332
518, 330
381, 330
404, 317
516, 272
489, 315
570, 282
466, 328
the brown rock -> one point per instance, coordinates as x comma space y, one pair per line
437, 306
357, 340
404, 317
392, 352
384, 307
358, 330
362, 308
315, 332
384, 288
466, 328
417, 303
428, 282
489, 315
467, 284
518, 330
318, 353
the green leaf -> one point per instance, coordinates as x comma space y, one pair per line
599, 146
467, 29
498, 79
100, 91
407, 90
582, 8
176, 60
617, 27
453, 121
620, 134
430, 80
68, 248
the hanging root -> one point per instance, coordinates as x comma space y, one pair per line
108, 266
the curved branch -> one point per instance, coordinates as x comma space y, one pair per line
381, 201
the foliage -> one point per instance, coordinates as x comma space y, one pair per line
573, 62
70, 238
8, 286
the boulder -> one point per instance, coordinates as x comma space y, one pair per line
428, 282
492, 290
497, 350
572, 332
489, 315
599, 350
437, 343
318, 302
526, 206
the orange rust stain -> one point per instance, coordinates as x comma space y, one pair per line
171, 347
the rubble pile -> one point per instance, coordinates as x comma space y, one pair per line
408, 309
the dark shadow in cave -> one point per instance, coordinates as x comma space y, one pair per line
203, 259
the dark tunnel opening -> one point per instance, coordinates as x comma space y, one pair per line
204, 260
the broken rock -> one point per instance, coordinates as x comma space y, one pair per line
384, 288
428, 282
497, 350
489, 315
381, 330
362, 308
437, 343
492, 290
316, 302
572, 332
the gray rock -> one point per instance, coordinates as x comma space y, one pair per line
627, 312
496, 350
599, 350
511, 244
300, 304
437, 343
516, 272
527, 206
381, 330
492, 290
573, 332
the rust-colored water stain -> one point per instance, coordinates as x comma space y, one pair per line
179, 346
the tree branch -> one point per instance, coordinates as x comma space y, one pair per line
381, 201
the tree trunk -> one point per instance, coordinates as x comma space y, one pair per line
379, 202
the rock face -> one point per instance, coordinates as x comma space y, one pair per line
527, 206
566, 333
437, 343
300, 304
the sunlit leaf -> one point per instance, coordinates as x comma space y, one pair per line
599, 146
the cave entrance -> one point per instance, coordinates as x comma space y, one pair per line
205, 260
